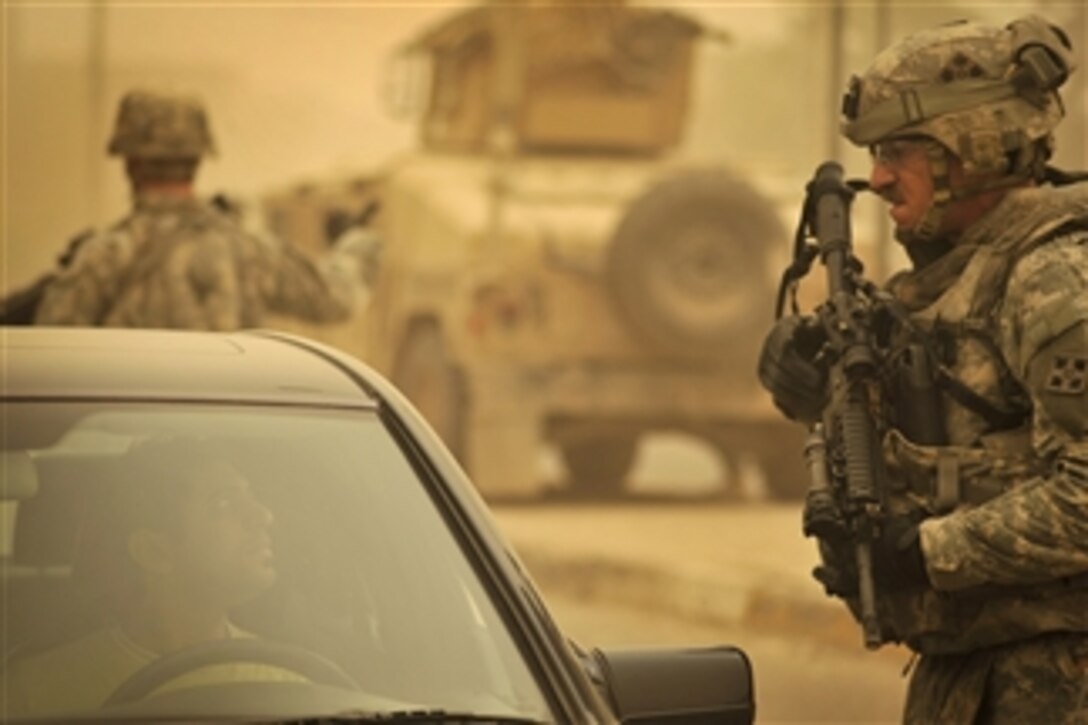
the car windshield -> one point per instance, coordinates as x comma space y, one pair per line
165, 560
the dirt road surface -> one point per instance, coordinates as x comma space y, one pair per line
655, 571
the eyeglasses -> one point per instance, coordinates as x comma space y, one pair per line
895, 152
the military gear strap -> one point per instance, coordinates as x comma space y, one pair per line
20, 306
997, 417
948, 487
1043, 54
1042, 59
914, 105
1060, 177
948, 494
804, 254
929, 227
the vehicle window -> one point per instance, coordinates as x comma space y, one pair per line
286, 561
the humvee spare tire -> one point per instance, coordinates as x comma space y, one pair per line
688, 267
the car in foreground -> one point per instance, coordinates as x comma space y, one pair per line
256, 528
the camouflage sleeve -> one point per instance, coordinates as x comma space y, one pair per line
1037, 531
289, 282
81, 292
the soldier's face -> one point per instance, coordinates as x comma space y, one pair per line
902, 177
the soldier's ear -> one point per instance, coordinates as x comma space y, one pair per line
150, 550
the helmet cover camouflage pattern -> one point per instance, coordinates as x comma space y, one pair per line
985, 93
161, 126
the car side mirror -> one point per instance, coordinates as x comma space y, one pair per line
679, 686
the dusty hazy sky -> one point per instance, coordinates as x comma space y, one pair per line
295, 91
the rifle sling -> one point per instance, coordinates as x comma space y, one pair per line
998, 418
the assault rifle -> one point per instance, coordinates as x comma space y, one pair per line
846, 499
832, 370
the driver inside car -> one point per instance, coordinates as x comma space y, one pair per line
178, 542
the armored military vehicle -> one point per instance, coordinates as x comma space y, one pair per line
551, 270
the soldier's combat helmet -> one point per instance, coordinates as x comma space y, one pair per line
986, 94
161, 126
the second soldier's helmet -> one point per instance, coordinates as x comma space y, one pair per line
987, 94
161, 126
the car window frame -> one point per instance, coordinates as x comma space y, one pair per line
547, 652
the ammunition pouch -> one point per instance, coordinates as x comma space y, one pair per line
919, 411
942, 477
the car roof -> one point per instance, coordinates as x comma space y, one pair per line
132, 364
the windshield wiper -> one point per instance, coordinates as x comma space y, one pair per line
443, 717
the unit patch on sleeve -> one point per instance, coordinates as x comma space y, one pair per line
1068, 375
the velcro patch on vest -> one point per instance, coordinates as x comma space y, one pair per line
1068, 375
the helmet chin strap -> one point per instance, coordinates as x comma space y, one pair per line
928, 227
925, 241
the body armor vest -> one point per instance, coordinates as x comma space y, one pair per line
987, 447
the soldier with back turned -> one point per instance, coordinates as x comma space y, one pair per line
177, 261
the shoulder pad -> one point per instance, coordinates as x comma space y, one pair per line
1058, 376
1048, 294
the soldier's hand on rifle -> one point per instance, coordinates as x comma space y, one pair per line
837, 571
898, 562
791, 367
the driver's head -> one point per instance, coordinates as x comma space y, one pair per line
185, 524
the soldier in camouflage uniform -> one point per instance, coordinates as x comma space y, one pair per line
982, 565
177, 261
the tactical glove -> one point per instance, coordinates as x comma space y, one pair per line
898, 563
837, 572
791, 370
